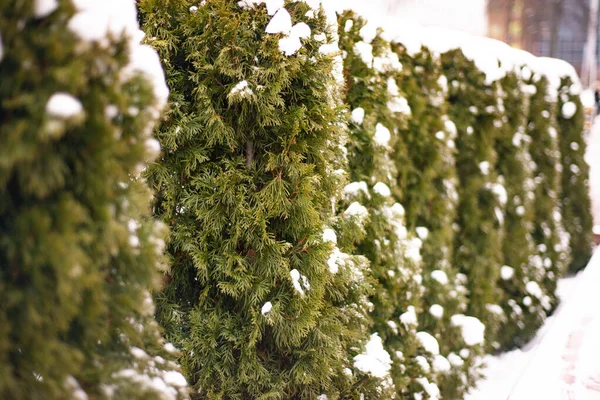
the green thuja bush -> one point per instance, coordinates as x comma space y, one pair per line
259, 299
473, 107
514, 165
574, 195
551, 253
427, 184
371, 70
78, 253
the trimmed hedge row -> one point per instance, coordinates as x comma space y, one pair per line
79, 253
349, 216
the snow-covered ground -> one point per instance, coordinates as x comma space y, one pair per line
562, 361
506, 372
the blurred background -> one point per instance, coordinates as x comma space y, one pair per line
562, 29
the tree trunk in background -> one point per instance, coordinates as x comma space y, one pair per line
588, 69
510, 4
531, 26
557, 12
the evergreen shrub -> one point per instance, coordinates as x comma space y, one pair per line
79, 254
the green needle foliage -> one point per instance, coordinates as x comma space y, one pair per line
473, 107
574, 196
246, 181
551, 256
78, 253
427, 184
393, 252
514, 165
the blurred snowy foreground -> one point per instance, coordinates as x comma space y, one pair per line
561, 362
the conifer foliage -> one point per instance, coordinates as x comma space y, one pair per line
515, 166
350, 216
551, 254
246, 182
378, 109
473, 107
428, 183
574, 196
78, 255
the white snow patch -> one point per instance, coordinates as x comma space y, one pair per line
273, 6
534, 289
472, 329
382, 135
506, 272
357, 209
441, 364
336, 258
430, 388
152, 148
368, 32
429, 343
422, 232
568, 110
574, 146
455, 360
144, 60
365, 51
280, 23
301, 30
295, 275
266, 308
440, 276
393, 326
94, 21
348, 26
241, 89
43, 8
329, 235
358, 115
64, 106
437, 311
484, 166
382, 189
423, 363
409, 318
353, 189
375, 360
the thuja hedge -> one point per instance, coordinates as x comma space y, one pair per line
514, 165
348, 216
427, 182
474, 109
79, 254
574, 195
250, 167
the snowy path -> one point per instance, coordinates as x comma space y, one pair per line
566, 363
563, 361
